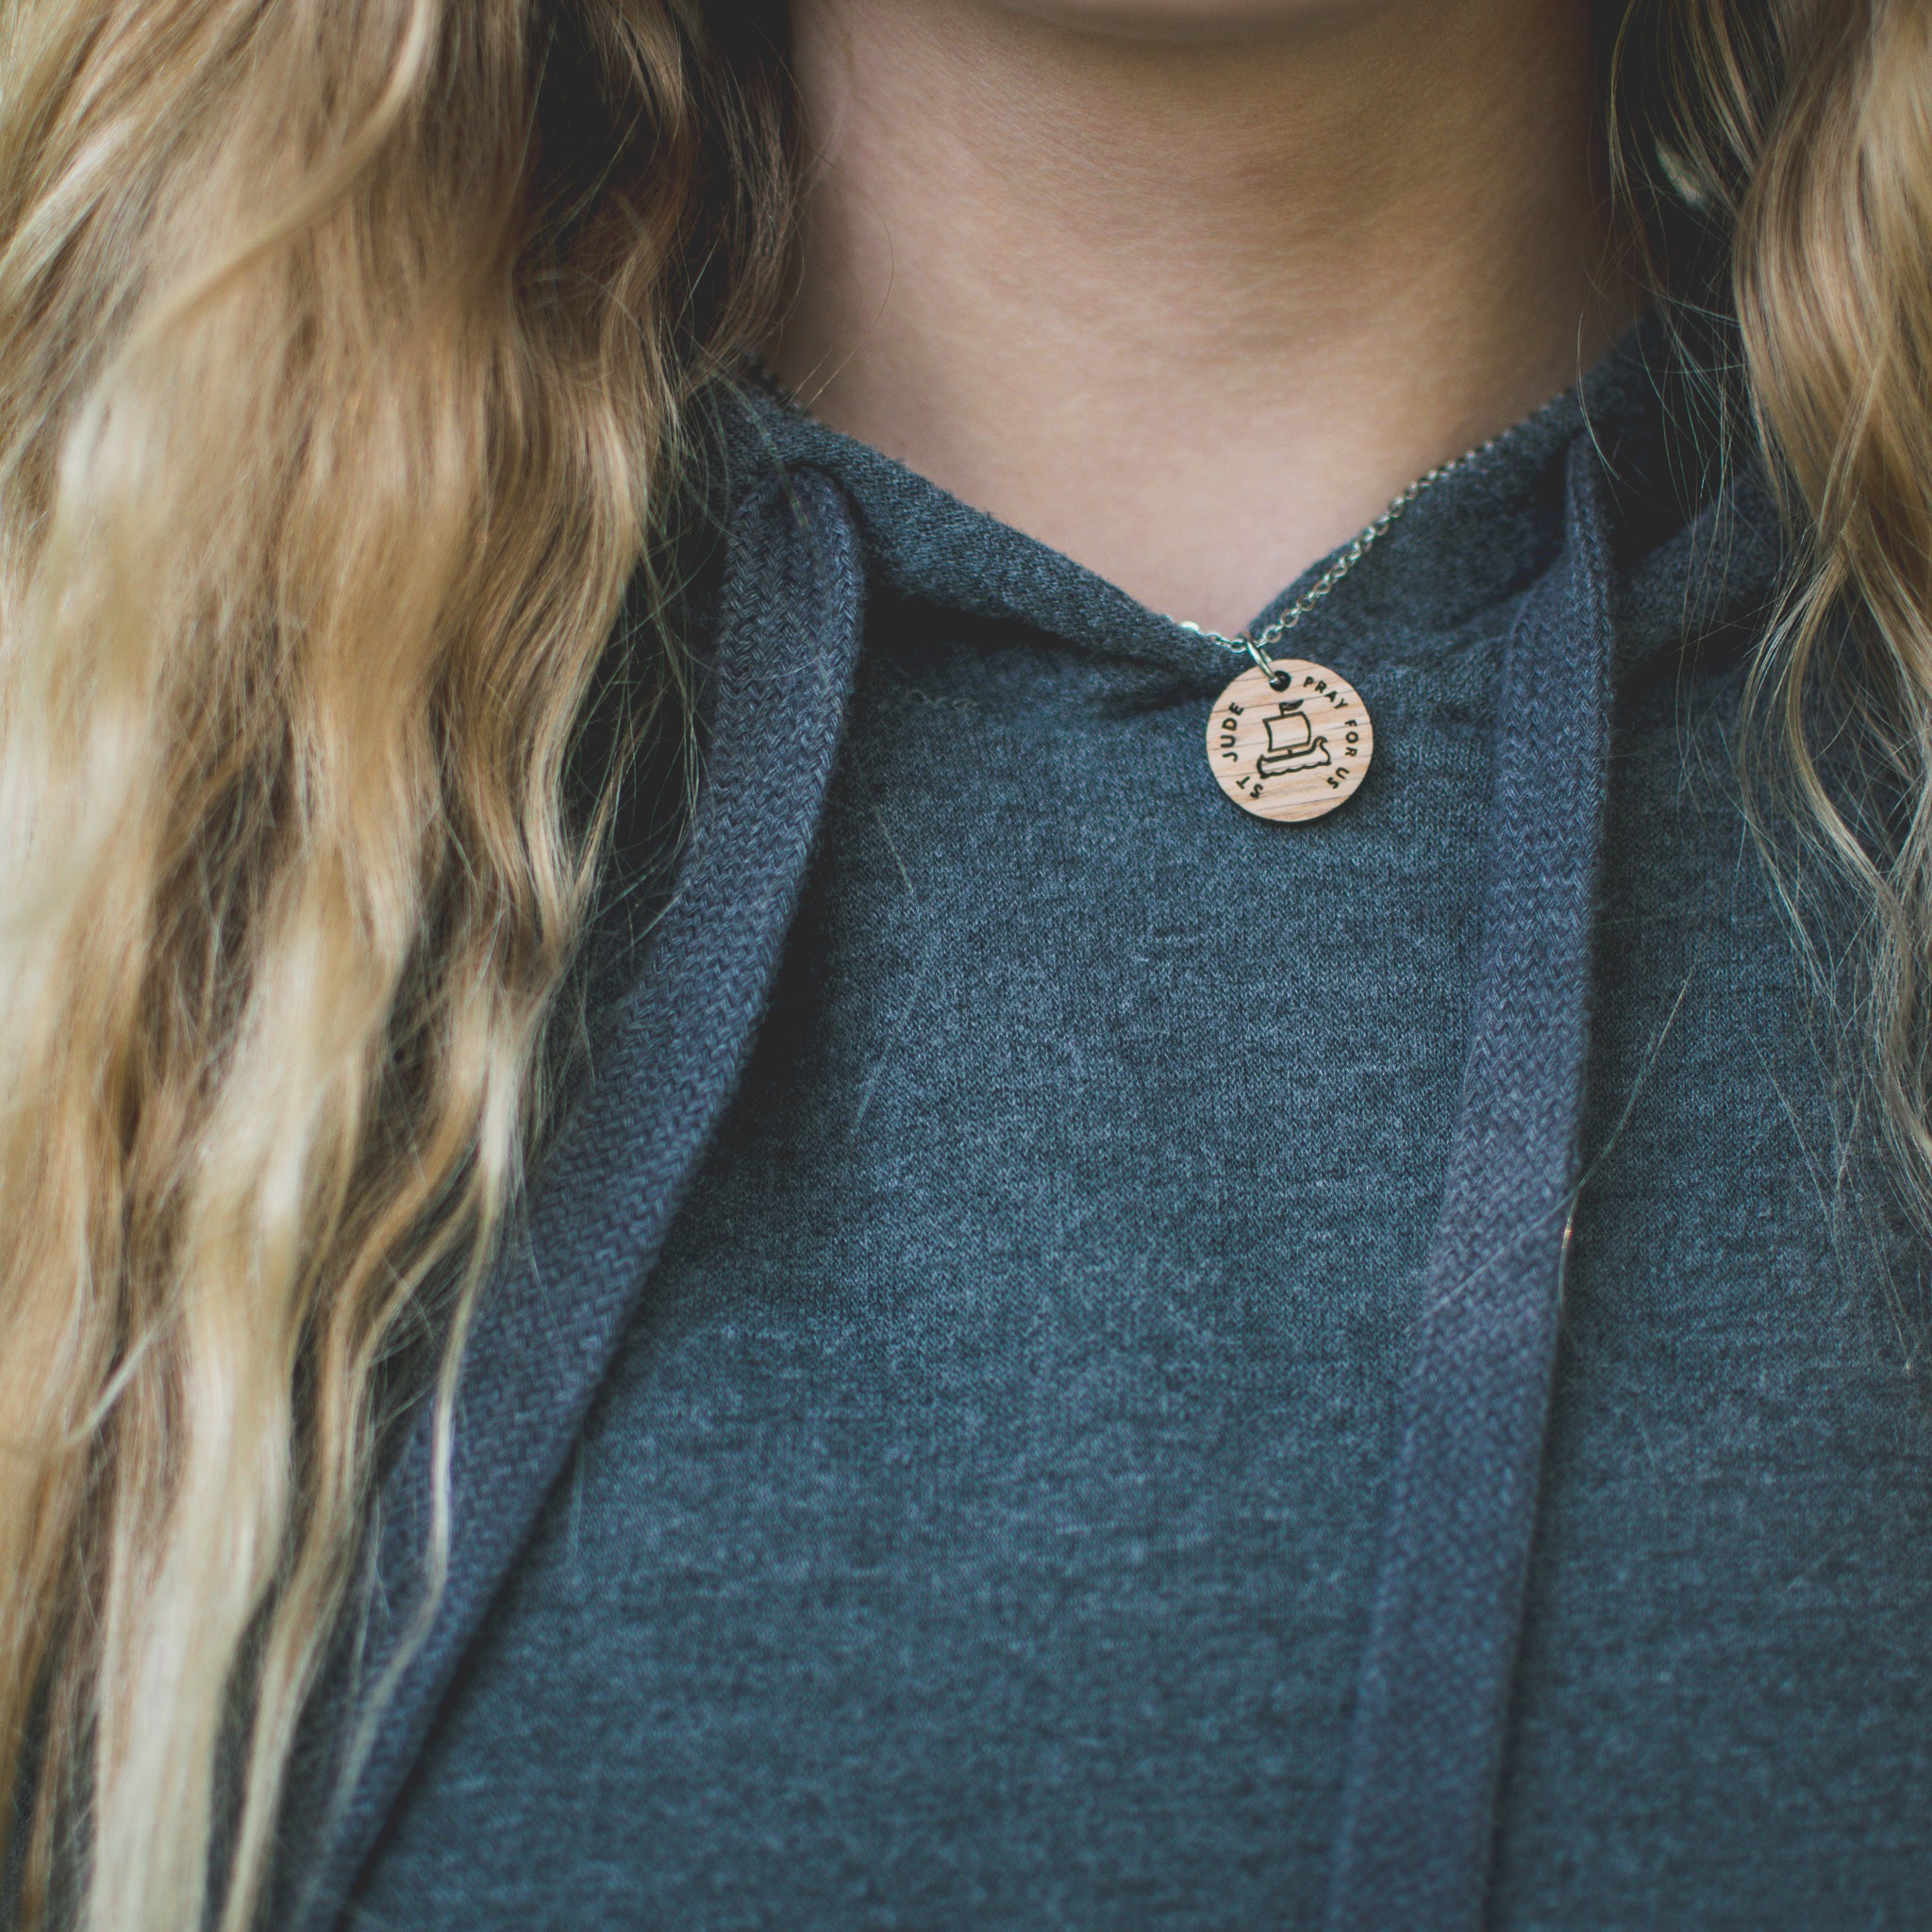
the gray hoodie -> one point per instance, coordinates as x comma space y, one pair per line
1086, 1360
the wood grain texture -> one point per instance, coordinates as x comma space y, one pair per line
1293, 753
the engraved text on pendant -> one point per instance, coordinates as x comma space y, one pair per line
1293, 752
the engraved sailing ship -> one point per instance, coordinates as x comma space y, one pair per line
1293, 745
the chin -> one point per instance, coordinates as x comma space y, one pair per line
1181, 20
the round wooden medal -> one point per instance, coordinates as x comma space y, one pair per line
1289, 744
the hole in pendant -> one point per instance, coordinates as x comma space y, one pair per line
1279, 680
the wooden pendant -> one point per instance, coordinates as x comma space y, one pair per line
1289, 750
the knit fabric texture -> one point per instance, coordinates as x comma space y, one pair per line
544, 1338
1418, 1807
971, 1514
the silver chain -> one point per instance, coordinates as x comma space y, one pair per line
1258, 648
766, 378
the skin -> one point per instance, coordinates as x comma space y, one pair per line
1189, 288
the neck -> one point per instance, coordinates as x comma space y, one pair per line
1192, 310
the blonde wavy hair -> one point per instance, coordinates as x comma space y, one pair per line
344, 347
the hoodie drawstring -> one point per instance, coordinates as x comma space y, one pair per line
1417, 1818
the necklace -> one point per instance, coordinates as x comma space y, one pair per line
1289, 739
